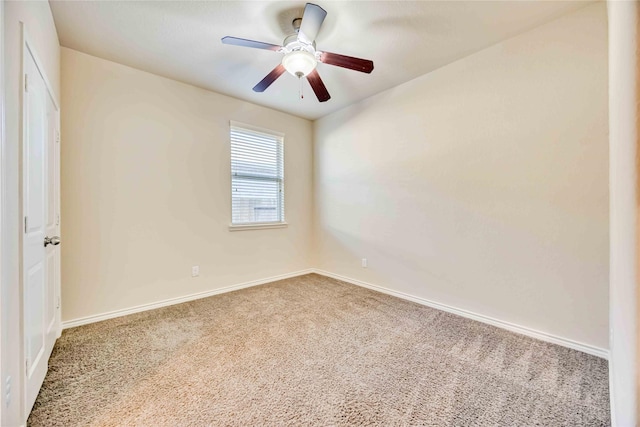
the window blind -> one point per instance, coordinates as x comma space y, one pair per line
257, 176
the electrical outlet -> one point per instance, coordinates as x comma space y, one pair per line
195, 271
364, 263
7, 388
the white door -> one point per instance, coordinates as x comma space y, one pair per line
52, 224
40, 269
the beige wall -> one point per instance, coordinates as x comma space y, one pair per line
146, 190
624, 55
481, 185
41, 30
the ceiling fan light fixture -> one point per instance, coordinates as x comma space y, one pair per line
299, 62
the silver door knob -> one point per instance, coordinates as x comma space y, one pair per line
55, 241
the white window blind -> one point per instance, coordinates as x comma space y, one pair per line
257, 176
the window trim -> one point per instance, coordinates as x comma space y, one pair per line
258, 226
255, 225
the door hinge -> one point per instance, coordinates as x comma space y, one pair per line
25, 224
58, 136
58, 303
26, 366
58, 219
26, 82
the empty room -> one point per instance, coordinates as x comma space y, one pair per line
266, 213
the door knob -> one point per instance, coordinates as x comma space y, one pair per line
55, 241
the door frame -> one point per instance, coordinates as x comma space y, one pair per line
28, 48
2, 202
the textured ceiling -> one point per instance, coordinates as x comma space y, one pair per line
405, 39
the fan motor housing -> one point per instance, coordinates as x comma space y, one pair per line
291, 43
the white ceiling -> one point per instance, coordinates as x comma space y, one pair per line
405, 39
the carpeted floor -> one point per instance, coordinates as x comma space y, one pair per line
314, 351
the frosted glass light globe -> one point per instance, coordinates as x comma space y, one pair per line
299, 62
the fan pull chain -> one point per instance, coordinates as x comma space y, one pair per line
300, 90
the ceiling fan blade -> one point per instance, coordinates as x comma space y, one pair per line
362, 65
318, 86
250, 43
270, 78
312, 20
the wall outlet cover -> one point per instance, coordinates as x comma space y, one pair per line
195, 271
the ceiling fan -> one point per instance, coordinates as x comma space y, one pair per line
300, 54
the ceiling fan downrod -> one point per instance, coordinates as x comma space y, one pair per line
296, 23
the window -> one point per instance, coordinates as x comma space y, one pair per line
257, 176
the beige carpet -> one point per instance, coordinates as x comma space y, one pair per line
314, 351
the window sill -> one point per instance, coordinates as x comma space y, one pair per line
242, 227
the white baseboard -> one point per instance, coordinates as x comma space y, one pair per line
172, 301
543, 336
